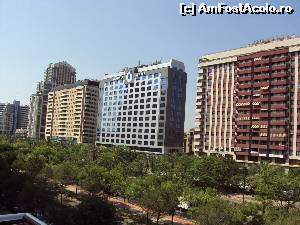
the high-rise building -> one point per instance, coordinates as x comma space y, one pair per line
13, 117
56, 74
22, 121
72, 112
247, 102
144, 108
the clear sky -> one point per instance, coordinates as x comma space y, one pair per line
98, 37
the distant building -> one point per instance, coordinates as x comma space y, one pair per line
55, 75
72, 112
188, 141
12, 117
144, 108
248, 102
22, 121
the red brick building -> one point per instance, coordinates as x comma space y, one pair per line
247, 103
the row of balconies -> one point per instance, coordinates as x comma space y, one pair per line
263, 61
257, 138
260, 146
263, 69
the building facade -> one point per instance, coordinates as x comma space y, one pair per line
247, 103
56, 74
189, 141
144, 108
72, 112
13, 117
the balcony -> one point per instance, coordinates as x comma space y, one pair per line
240, 79
278, 114
245, 138
243, 104
247, 71
245, 153
279, 99
243, 93
261, 84
253, 153
284, 107
240, 145
241, 123
243, 130
279, 90
279, 82
258, 146
261, 62
278, 138
244, 86
260, 99
244, 64
259, 138
278, 148
261, 69
261, 115
278, 123
276, 156
278, 130
281, 59
280, 67
279, 75
261, 77
259, 92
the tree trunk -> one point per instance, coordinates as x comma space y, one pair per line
147, 222
61, 198
157, 218
172, 221
76, 190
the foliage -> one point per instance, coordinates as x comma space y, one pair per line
273, 183
28, 169
95, 211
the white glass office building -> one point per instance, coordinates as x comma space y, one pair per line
143, 107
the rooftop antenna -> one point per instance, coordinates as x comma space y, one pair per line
139, 62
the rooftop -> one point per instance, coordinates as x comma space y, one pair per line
260, 45
173, 63
76, 84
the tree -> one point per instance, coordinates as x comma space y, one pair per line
273, 184
156, 194
95, 211
250, 214
213, 171
94, 178
209, 209
280, 216
31, 164
118, 182
170, 193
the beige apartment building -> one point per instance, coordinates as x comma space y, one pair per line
189, 141
72, 112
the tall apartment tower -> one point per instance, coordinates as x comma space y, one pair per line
22, 121
13, 117
247, 103
72, 112
56, 74
144, 108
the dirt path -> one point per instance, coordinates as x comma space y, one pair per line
134, 208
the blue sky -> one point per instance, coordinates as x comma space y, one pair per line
99, 37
